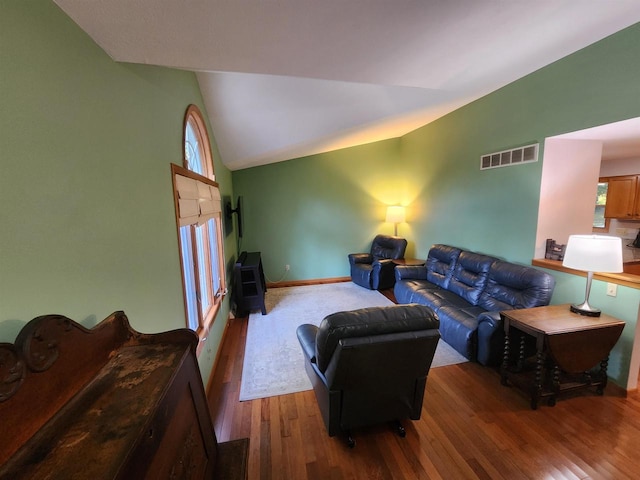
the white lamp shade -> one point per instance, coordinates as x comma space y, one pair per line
593, 253
395, 214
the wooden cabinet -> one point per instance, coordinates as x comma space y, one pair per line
107, 403
623, 197
632, 267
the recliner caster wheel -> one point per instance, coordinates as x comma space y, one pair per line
351, 442
401, 431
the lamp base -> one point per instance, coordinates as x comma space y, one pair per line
587, 312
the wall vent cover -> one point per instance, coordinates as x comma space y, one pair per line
506, 158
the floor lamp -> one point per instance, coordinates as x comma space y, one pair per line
395, 215
592, 253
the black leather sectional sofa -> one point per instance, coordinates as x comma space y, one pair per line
468, 290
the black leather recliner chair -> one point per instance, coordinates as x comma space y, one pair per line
370, 366
374, 270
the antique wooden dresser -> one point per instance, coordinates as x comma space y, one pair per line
104, 403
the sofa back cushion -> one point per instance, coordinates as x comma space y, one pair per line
470, 276
516, 286
440, 264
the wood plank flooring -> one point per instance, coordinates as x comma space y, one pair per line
471, 428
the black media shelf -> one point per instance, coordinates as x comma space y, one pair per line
250, 286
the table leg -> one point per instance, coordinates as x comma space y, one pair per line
536, 391
603, 373
505, 360
521, 353
555, 385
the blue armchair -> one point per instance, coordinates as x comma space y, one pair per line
375, 270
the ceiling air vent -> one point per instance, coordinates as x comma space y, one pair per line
516, 156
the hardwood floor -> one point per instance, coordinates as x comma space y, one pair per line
471, 428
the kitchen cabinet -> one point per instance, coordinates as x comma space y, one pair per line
632, 267
623, 197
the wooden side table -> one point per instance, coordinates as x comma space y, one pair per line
408, 261
568, 346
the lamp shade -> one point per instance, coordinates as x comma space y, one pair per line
593, 253
395, 214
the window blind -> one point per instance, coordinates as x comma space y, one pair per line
197, 201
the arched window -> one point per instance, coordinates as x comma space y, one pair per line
199, 220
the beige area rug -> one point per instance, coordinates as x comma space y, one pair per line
273, 360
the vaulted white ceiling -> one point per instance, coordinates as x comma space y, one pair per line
283, 79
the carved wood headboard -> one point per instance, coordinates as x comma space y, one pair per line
52, 359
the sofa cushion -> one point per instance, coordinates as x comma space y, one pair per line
440, 264
470, 275
407, 290
515, 286
439, 297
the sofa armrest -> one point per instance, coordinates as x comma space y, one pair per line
360, 258
307, 337
382, 263
411, 272
491, 320
490, 338
382, 275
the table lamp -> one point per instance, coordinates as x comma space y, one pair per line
592, 253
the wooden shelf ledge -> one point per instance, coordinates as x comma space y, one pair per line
626, 279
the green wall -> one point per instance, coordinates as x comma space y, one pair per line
311, 212
86, 204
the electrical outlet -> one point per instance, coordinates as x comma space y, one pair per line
286, 268
621, 232
612, 289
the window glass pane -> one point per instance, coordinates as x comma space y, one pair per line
601, 201
203, 269
189, 277
598, 217
215, 255
193, 150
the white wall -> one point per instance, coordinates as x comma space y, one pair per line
570, 173
627, 166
